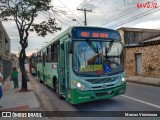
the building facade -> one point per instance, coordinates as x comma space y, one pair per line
142, 56
5, 50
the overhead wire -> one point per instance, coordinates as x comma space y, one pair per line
119, 17
86, 3
97, 4
129, 20
70, 10
132, 11
111, 8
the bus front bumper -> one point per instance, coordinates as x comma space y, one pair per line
78, 96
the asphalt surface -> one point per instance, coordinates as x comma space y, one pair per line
137, 98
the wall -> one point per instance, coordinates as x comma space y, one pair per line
150, 60
5, 59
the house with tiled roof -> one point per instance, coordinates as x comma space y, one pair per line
142, 51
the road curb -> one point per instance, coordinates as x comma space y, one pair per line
144, 83
18, 108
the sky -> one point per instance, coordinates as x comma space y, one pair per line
112, 14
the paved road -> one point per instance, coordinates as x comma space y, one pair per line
137, 98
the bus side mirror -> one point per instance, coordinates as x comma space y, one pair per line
70, 47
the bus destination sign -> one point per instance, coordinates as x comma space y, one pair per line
92, 34
95, 33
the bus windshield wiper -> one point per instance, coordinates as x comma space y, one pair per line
94, 48
107, 49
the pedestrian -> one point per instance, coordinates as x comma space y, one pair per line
14, 77
1, 83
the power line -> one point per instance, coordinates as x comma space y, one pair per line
124, 15
129, 20
119, 17
97, 4
70, 10
111, 8
87, 3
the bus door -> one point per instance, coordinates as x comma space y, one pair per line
43, 65
63, 70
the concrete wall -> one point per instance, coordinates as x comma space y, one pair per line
150, 60
5, 50
7, 68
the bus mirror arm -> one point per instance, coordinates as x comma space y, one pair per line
70, 47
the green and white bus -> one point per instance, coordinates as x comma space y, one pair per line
83, 64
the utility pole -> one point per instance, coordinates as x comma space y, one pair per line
84, 9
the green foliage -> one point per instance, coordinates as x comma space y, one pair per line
44, 27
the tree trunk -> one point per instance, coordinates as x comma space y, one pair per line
22, 57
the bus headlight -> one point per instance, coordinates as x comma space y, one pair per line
79, 85
122, 80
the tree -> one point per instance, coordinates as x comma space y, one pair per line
24, 13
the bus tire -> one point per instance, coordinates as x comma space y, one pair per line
57, 90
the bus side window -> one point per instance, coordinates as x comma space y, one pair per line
47, 55
54, 53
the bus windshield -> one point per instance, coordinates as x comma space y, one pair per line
92, 57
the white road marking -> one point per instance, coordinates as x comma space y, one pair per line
141, 101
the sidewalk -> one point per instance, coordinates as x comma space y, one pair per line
151, 81
14, 100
